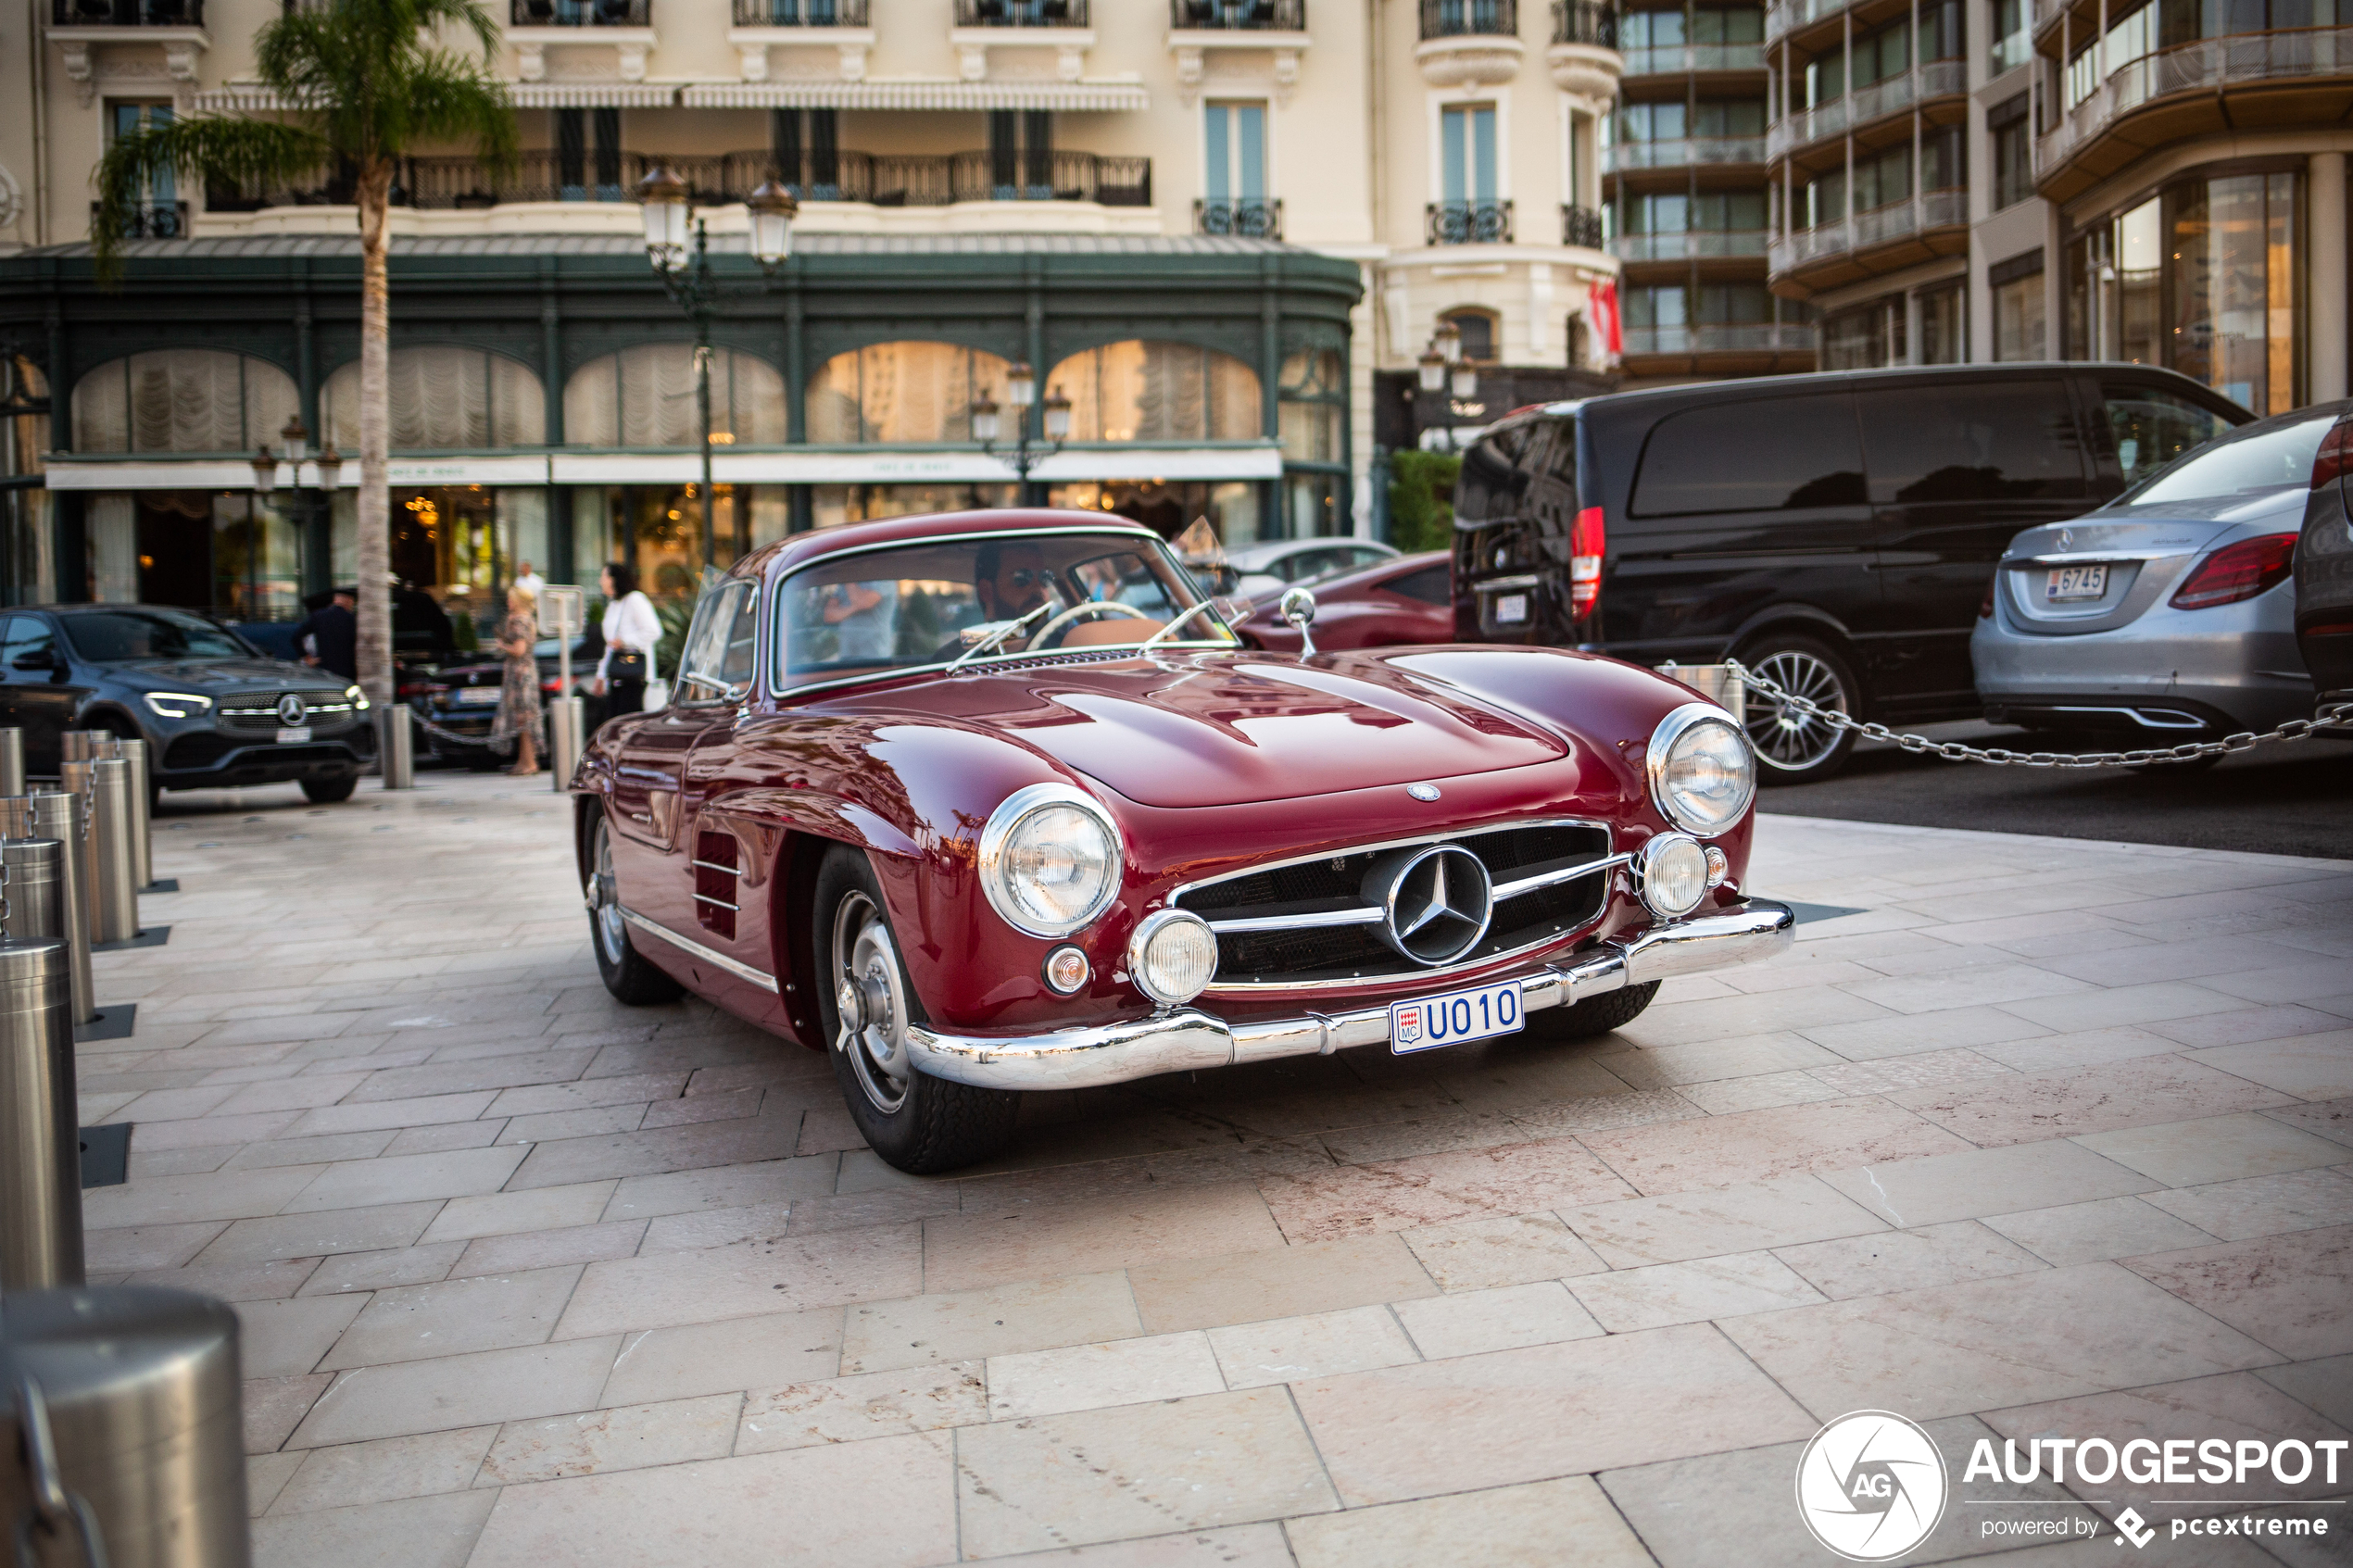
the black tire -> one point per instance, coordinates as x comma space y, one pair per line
1794, 748
917, 1123
327, 792
1594, 1015
631, 977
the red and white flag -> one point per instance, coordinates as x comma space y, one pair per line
1601, 306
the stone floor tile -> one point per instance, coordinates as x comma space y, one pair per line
158, 1105
1100, 1475
432, 1532
2097, 1230
724, 1186
874, 1404
390, 1468
2137, 1093
2249, 1025
270, 1281
1481, 1254
484, 1388
275, 1406
1724, 1018
144, 1164
2287, 1291
287, 1338
1276, 1283
2309, 1066
1885, 1261
1237, 1545
1710, 1222
422, 1322
1513, 1072
627, 1438
663, 1150
1911, 1193
1525, 1526
544, 1249
587, 1093
1542, 1412
999, 1319
1976, 1027
471, 1077
1988, 984
1438, 1189
2085, 1047
1595, 1113
1473, 1322
709, 1510
2331, 1118
1728, 1097
1954, 1348
2109, 1007
750, 1279
2325, 1386
700, 1228
320, 1151
723, 1106
1007, 1242
718, 1358
592, 1122
1667, 1066
306, 1092
2213, 1149
1431, 1133
378, 1271
407, 1177
1626, 1300
147, 1247
1081, 1377
1921, 1070
2259, 1206
227, 1194
1758, 1146
266, 1476
445, 1136
1318, 1345
501, 1213
431, 1110
154, 1138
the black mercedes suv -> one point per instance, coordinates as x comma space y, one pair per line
214, 710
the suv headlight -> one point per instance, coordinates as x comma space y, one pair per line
179, 705
357, 698
1050, 859
1702, 772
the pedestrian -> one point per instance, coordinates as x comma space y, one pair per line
526, 578
518, 719
630, 632
334, 631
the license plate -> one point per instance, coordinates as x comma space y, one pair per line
478, 696
2075, 582
1510, 607
1454, 1018
295, 736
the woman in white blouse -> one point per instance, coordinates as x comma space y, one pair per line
632, 630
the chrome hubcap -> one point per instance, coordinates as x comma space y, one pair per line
873, 1022
1783, 737
604, 903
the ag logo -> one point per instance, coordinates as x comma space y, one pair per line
1870, 1485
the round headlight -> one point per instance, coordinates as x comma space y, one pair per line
1702, 773
1670, 873
1172, 956
1050, 859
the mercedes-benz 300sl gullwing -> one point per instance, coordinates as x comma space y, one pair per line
998, 801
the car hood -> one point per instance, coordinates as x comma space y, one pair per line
1222, 730
218, 675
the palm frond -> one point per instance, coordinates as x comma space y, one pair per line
204, 148
449, 98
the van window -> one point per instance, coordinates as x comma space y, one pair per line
2152, 427
1490, 484
1756, 457
1971, 441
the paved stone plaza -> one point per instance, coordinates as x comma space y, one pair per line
2050, 1135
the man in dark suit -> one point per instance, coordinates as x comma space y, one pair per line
334, 634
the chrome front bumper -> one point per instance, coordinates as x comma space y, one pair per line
1186, 1039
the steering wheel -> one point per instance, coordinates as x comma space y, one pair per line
1070, 616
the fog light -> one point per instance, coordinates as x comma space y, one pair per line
1671, 875
1065, 970
1719, 866
1172, 954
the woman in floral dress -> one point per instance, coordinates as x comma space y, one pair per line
518, 719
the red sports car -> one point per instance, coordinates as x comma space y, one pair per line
993, 802
1401, 600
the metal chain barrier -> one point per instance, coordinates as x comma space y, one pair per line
53, 1511
2336, 716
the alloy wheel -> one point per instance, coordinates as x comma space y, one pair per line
871, 1005
1783, 737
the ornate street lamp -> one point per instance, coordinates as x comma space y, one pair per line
1462, 382
1431, 368
1448, 342
1021, 392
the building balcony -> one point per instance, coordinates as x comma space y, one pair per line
1580, 226
1785, 17
1937, 79
1583, 58
1470, 19
2195, 89
1470, 43
579, 13
126, 13
1695, 59
1761, 337
1583, 21
1624, 156
804, 14
1021, 13
1237, 16
1252, 217
151, 220
1484, 222
1694, 244
1879, 240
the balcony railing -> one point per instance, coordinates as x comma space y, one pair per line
1780, 337
1787, 16
1485, 222
126, 13
1675, 59
801, 13
1700, 244
2046, 13
579, 13
1623, 155
1457, 19
2204, 65
1237, 16
1583, 21
1930, 210
1934, 79
1021, 13
151, 220
1580, 226
1250, 218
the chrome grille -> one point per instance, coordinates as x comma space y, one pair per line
259, 715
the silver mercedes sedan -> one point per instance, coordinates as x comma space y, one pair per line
2168, 613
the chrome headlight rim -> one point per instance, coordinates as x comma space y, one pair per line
1141, 940
1671, 730
1646, 859
999, 831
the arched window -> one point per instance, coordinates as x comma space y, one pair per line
911, 392
645, 397
182, 400
443, 398
1477, 328
1145, 390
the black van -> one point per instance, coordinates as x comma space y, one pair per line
1836, 531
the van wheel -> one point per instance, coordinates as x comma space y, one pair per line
323, 792
1594, 1015
1794, 748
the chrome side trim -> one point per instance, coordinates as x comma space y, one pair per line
718, 903
2144, 717
1543, 880
2092, 557
696, 949
1312, 921
708, 866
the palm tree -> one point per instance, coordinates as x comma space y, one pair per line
364, 82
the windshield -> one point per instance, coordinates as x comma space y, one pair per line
2263, 457
107, 636
931, 603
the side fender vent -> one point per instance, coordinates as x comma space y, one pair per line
717, 874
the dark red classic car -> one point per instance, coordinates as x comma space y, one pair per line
993, 802
1401, 599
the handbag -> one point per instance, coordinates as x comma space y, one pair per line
627, 664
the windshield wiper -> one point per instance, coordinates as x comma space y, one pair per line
1004, 628
1170, 629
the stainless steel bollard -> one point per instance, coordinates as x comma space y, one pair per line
143, 841
105, 745
396, 746
77, 778
11, 761
32, 891
136, 1392
563, 740
65, 816
40, 1123
118, 894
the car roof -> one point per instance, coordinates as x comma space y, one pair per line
798, 550
1276, 549
1748, 387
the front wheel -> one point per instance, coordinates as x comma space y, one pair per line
1594, 1015
627, 973
1794, 746
323, 792
920, 1123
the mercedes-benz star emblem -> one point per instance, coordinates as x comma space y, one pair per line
2067, 538
290, 709
1422, 791
1435, 901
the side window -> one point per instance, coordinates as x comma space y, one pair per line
736, 665
1757, 456
703, 665
1972, 441
23, 634
1431, 584
2152, 427
1490, 482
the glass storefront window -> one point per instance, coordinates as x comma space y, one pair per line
1314, 408
443, 399
2019, 319
2232, 290
256, 560
1944, 335
645, 396
2139, 265
901, 392
1231, 510
834, 504
182, 400
1148, 391
28, 569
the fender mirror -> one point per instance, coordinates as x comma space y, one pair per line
1299, 608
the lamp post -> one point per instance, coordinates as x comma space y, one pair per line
1443, 369
672, 231
1021, 391
265, 480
